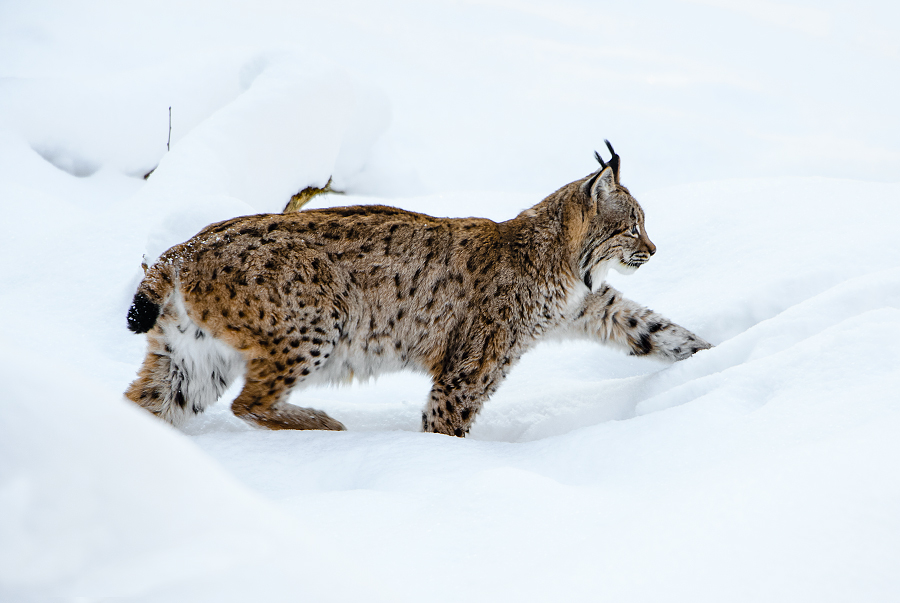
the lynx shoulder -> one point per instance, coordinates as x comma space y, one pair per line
289, 300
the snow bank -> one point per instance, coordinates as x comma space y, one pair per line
117, 120
99, 502
298, 122
275, 122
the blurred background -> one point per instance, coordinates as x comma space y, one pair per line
491, 94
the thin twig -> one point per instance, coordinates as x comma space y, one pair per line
170, 130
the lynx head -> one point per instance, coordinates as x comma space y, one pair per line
614, 226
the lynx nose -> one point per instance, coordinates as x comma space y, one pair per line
651, 248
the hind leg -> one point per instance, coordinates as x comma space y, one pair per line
271, 377
185, 369
159, 386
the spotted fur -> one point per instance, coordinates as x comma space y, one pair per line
289, 300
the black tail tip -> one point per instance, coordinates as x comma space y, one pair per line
143, 314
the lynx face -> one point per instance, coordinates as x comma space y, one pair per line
616, 237
290, 300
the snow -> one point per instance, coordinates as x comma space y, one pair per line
761, 140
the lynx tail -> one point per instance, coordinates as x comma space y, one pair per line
152, 294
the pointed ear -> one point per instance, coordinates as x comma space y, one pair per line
606, 174
602, 184
589, 183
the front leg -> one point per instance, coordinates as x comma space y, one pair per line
476, 362
608, 316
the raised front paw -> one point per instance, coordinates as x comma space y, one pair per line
679, 343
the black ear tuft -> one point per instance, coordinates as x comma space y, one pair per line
143, 314
614, 162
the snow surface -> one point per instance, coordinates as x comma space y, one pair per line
761, 139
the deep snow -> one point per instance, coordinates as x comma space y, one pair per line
760, 138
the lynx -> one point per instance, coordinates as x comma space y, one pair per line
317, 296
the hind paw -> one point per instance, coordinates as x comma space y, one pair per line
288, 416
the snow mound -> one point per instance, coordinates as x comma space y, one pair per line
130, 509
298, 122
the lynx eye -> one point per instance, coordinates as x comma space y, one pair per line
635, 231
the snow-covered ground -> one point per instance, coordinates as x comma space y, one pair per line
763, 141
